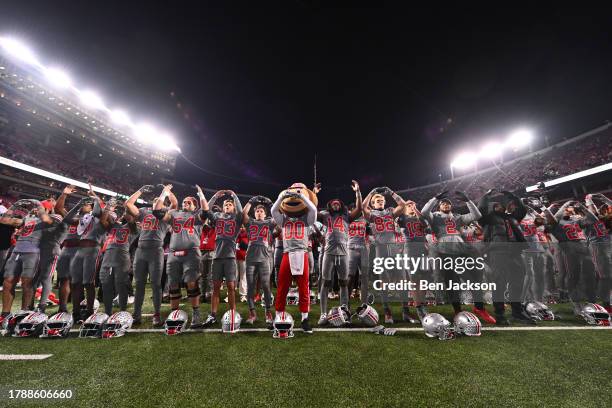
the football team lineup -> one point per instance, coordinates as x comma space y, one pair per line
354, 242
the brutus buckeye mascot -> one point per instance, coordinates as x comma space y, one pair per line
295, 211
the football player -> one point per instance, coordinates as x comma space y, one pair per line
337, 218
183, 264
600, 246
358, 254
294, 262
23, 262
259, 234
382, 222
149, 256
227, 227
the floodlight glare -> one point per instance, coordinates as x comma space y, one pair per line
18, 50
491, 150
91, 99
58, 78
519, 138
463, 161
120, 117
145, 133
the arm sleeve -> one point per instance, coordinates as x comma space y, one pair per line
97, 208
237, 203
472, 216
312, 211
559, 214
426, 211
275, 210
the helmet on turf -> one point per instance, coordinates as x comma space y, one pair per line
436, 325
293, 297
263, 300
467, 323
283, 326
92, 326
595, 314
230, 322
31, 325
117, 325
9, 322
338, 316
313, 297
539, 311
176, 322
367, 315
58, 325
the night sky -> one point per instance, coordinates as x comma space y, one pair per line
383, 95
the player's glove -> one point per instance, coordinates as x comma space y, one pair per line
254, 200
489, 192
461, 196
442, 195
147, 188
383, 330
386, 190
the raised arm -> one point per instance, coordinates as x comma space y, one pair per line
204, 205
60, 204
275, 210
358, 202
312, 210
559, 214
366, 205
474, 213
158, 206
401, 204
130, 204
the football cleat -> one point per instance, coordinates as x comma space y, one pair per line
483, 315
306, 326
210, 320
156, 321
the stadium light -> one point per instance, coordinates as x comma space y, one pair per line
18, 50
91, 99
491, 150
463, 161
146, 133
58, 78
120, 117
519, 138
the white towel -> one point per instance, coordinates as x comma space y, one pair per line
296, 262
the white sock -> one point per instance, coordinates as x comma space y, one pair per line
304, 315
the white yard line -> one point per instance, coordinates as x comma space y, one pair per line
13, 357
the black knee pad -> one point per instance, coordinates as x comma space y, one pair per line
175, 293
195, 292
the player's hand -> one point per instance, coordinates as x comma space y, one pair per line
355, 185
147, 188
69, 189
198, 188
461, 196
91, 193
442, 195
253, 200
489, 192
317, 188
266, 200
387, 190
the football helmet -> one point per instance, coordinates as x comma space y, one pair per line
436, 325
230, 322
595, 314
367, 315
92, 326
176, 322
313, 297
58, 325
338, 316
31, 325
9, 322
117, 325
263, 300
539, 311
467, 323
293, 297
283, 326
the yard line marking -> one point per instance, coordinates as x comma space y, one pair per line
24, 356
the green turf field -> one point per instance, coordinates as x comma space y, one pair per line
526, 368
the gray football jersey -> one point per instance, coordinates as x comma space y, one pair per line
383, 226
53, 236
336, 236
71, 233
120, 237
357, 233
186, 230
570, 230
94, 231
30, 235
530, 232
151, 228
597, 232
295, 233
412, 228
227, 228
258, 234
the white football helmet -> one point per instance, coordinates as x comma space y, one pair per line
293, 297
313, 297
58, 325
539, 311
338, 316
595, 314
436, 325
467, 323
9, 322
283, 326
92, 326
367, 315
176, 322
230, 322
31, 325
117, 325
83, 307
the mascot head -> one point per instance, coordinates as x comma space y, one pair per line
295, 206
